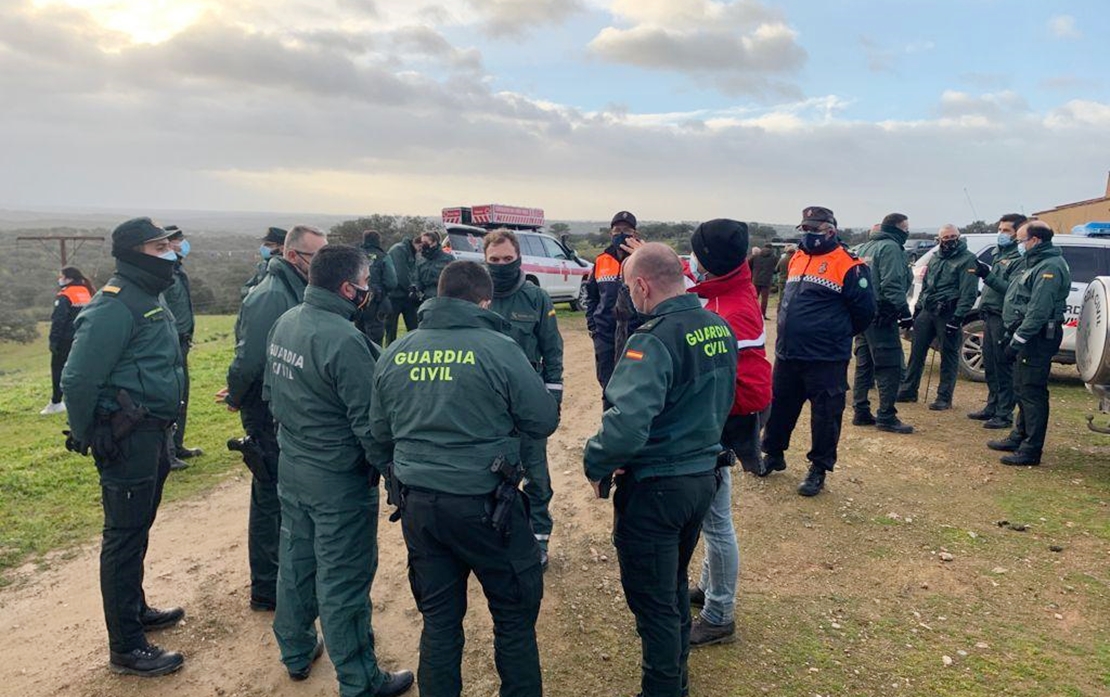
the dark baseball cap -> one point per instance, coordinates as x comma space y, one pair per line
176, 233
815, 215
135, 232
624, 217
275, 235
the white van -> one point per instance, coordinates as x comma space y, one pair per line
546, 261
1088, 257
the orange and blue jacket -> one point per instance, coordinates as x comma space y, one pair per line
827, 300
69, 301
610, 316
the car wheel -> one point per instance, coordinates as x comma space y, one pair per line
579, 303
971, 351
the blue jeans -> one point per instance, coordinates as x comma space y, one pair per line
722, 557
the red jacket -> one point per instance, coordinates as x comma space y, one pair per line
733, 297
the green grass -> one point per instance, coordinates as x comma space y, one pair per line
50, 497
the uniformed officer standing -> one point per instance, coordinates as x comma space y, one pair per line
179, 300
879, 357
828, 300
671, 393
1033, 314
432, 263
1006, 263
610, 317
281, 290
531, 313
947, 295
318, 384
273, 245
383, 279
451, 401
405, 297
123, 384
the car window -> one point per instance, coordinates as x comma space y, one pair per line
1085, 262
987, 254
552, 247
466, 242
531, 246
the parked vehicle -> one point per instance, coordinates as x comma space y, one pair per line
916, 248
1088, 258
549, 263
1092, 345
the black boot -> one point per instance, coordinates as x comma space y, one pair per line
697, 597
997, 422
863, 418
815, 481
771, 463
981, 415
1005, 445
153, 618
1021, 459
184, 453
148, 662
940, 405
396, 683
905, 398
894, 426
303, 673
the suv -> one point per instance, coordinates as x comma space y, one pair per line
915, 249
1088, 257
547, 262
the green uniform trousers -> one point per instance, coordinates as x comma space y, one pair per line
879, 363
928, 326
449, 536
327, 562
537, 487
1031, 373
183, 413
264, 522
656, 525
131, 489
999, 369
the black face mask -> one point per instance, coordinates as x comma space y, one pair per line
362, 296
505, 276
429, 251
161, 270
818, 243
949, 246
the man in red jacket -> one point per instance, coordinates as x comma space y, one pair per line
720, 247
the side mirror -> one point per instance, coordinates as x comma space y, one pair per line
571, 254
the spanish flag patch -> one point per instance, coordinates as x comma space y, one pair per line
634, 355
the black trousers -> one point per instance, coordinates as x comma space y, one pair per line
370, 324
879, 363
928, 326
264, 522
58, 357
823, 384
448, 536
1031, 372
402, 307
656, 525
131, 490
1000, 370
741, 436
183, 413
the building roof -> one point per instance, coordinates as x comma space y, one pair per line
1078, 204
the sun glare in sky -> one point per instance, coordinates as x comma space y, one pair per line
144, 21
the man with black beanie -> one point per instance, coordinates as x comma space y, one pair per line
828, 299
273, 244
123, 384
383, 278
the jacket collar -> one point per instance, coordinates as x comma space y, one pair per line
891, 232
284, 272
329, 301
1042, 251
452, 313
143, 279
740, 277
680, 303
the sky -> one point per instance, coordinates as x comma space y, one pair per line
945, 110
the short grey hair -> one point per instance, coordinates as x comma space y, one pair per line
948, 226
299, 232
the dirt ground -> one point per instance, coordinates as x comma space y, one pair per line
823, 561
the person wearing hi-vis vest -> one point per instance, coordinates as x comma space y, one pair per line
828, 300
74, 293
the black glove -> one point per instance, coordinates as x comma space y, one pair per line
104, 446
982, 269
74, 445
415, 295
1011, 352
953, 326
905, 318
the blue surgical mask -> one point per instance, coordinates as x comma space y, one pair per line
168, 255
265, 252
1004, 240
185, 247
1021, 249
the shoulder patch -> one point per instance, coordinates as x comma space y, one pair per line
650, 324
634, 355
551, 313
851, 253
1048, 275
110, 290
863, 283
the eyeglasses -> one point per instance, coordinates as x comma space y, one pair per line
306, 255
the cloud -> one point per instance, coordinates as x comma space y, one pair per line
740, 47
1063, 27
992, 105
519, 18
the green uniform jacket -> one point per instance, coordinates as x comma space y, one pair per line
534, 328
318, 382
281, 290
951, 278
125, 338
1006, 264
383, 277
180, 302
258, 277
1038, 294
404, 266
452, 396
885, 255
427, 273
671, 393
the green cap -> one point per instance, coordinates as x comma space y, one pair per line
135, 232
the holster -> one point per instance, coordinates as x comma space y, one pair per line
253, 457
395, 493
127, 418
506, 493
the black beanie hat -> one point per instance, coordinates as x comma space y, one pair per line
720, 245
275, 235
